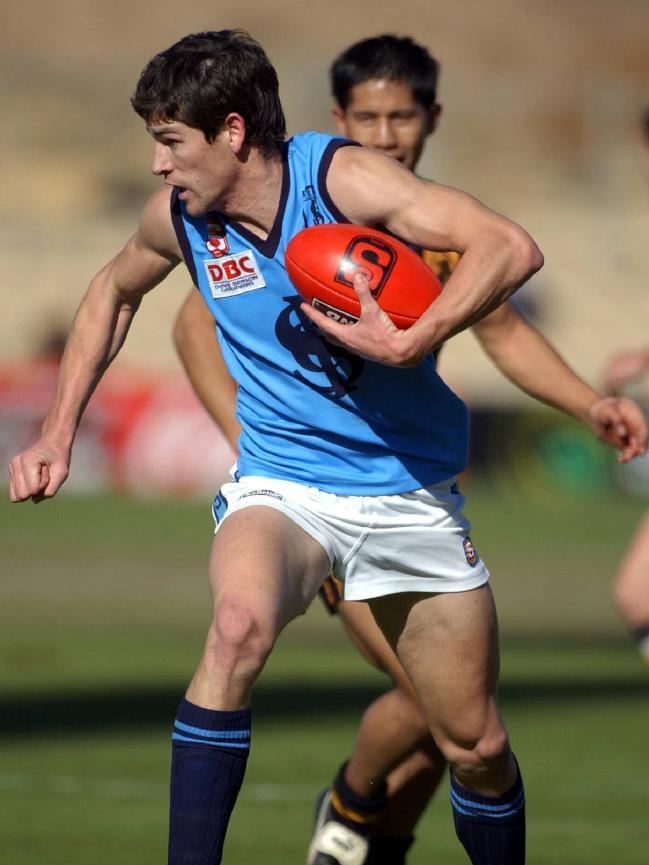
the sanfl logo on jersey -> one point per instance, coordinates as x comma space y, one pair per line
218, 246
217, 239
234, 275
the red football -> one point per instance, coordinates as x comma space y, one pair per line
322, 260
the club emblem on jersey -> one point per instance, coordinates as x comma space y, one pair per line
369, 256
217, 241
324, 367
233, 275
309, 197
470, 552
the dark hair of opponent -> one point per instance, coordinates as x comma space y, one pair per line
394, 58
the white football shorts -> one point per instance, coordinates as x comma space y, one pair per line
377, 545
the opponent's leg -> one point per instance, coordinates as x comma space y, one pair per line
381, 793
264, 570
411, 786
448, 645
631, 587
392, 728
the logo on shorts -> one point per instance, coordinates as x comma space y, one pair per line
271, 493
470, 552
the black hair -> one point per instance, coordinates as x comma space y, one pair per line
204, 76
395, 58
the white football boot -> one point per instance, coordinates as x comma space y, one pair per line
334, 843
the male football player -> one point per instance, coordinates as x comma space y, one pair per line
336, 437
385, 97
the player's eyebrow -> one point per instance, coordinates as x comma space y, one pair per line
158, 129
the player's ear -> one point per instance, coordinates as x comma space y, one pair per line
235, 127
339, 118
434, 114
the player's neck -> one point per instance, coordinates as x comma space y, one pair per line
255, 199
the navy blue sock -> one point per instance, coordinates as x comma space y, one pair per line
353, 810
492, 829
388, 849
208, 761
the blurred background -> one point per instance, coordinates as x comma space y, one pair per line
103, 599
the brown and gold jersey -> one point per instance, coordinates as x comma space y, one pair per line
441, 263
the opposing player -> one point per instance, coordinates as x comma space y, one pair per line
385, 97
631, 583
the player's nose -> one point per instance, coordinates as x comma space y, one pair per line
160, 164
385, 135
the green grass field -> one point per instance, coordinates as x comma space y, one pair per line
103, 605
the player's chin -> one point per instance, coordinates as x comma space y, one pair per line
193, 205
194, 208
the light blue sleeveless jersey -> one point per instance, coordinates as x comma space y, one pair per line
312, 412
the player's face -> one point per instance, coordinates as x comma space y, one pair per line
385, 115
202, 170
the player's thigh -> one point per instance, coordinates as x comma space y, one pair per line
372, 644
448, 643
264, 561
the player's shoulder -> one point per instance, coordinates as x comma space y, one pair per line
156, 227
310, 138
369, 186
158, 205
312, 146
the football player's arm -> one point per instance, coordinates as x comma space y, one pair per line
98, 332
530, 362
497, 255
198, 348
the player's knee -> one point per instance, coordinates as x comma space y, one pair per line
475, 745
493, 747
238, 635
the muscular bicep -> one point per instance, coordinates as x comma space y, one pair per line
148, 256
371, 188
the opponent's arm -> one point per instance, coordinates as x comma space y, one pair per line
200, 353
98, 332
528, 360
497, 255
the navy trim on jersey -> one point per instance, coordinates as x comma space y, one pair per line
267, 246
323, 170
181, 234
